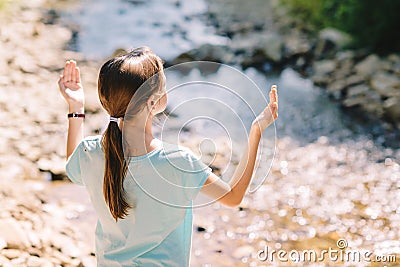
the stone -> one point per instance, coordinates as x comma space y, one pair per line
338, 85
13, 234
243, 251
322, 71
3, 243
372, 104
271, 45
368, 66
354, 80
392, 109
206, 52
34, 261
339, 38
4, 261
62, 258
345, 55
357, 90
11, 253
26, 64
324, 67
354, 101
55, 165
330, 41
384, 83
18, 261
295, 45
66, 245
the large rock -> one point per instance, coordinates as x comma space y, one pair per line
330, 41
324, 67
15, 168
206, 52
368, 66
354, 80
357, 90
270, 44
295, 46
322, 71
392, 110
258, 48
12, 233
385, 84
365, 98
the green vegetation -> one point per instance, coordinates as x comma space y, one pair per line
373, 24
3, 4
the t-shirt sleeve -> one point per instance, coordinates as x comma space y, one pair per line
73, 166
196, 173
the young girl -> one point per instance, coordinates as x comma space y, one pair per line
140, 187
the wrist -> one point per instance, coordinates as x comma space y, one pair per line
255, 130
76, 109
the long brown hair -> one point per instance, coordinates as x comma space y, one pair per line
119, 79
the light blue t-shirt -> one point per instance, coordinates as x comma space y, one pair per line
161, 186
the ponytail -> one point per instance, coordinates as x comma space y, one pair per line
119, 79
115, 170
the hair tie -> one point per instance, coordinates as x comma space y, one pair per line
113, 119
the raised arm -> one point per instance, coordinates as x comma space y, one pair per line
233, 192
71, 89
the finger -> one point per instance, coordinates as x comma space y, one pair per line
275, 111
273, 94
77, 75
61, 83
273, 107
71, 69
67, 70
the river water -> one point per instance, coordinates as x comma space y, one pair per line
172, 27
309, 124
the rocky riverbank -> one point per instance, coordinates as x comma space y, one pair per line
365, 84
35, 231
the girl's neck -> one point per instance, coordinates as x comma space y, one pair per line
139, 138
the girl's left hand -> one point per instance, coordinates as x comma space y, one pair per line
270, 113
71, 87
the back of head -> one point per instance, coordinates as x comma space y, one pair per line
119, 79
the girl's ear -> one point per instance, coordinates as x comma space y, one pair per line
150, 103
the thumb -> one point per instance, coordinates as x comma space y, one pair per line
61, 83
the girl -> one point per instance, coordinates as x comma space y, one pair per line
140, 187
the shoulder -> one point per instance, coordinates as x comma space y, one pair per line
177, 151
91, 144
89, 148
183, 159
87, 153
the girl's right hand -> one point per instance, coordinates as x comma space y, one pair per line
71, 87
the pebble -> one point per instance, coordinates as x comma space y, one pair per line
243, 251
11, 253
12, 234
34, 261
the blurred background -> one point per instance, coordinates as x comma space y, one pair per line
335, 173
